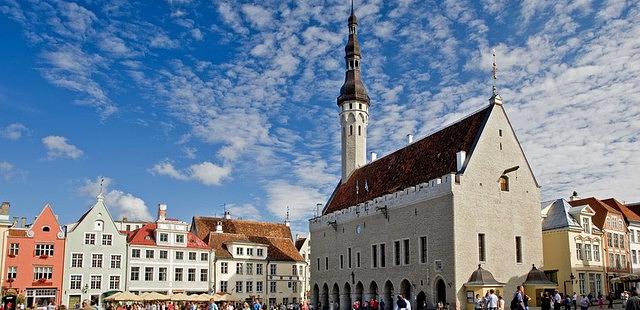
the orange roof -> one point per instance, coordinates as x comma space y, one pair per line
277, 237
601, 209
146, 235
629, 215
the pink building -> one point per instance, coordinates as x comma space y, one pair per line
34, 260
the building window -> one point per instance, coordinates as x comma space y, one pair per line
518, 249
407, 250
107, 239
114, 282
632, 236
317, 263
96, 260
294, 270
89, 238
259, 267
326, 263
191, 275
44, 250
596, 252
164, 237
14, 248
239, 251
42, 273
351, 130
294, 287
164, 254
249, 268
598, 287
634, 257
273, 268
383, 255
179, 238
618, 265
349, 257
504, 183
148, 254
259, 287
204, 257
587, 251
98, 225
76, 260
135, 253
12, 272
193, 256
357, 259
239, 268
135, 273
224, 267
178, 275
623, 258
259, 252
585, 225
374, 255
249, 286
579, 251
179, 255
116, 261
622, 242
148, 273
204, 275
341, 261
162, 274
223, 286
75, 282
396, 251
359, 130
423, 249
616, 242
610, 239
238, 286
611, 260
250, 251
581, 282
482, 254
96, 282
272, 286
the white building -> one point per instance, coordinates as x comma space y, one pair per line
166, 257
634, 238
253, 259
94, 257
304, 247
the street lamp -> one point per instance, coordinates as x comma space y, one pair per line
572, 277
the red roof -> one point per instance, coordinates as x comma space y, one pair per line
424, 160
629, 214
601, 209
146, 235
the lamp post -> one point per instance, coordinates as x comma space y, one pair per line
572, 277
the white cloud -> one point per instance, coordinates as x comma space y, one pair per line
206, 173
197, 34
58, 147
257, 15
300, 200
6, 170
120, 203
245, 211
13, 131
161, 40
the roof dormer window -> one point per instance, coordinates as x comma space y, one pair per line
586, 225
504, 183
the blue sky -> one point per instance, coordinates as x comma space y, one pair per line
203, 103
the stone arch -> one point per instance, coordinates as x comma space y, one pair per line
346, 297
405, 289
359, 292
351, 118
421, 301
316, 295
440, 292
324, 300
362, 118
373, 290
335, 297
388, 295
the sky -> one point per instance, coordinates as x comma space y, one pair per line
206, 105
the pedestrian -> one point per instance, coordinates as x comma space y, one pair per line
381, 305
584, 303
574, 300
492, 300
401, 304
633, 303
517, 303
373, 304
557, 300
610, 300
624, 297
545, 301
567, 303
408, 302
500, 303
478, 304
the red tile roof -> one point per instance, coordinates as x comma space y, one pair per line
277, 237
601, 209
629, 214
424, 160
145, 235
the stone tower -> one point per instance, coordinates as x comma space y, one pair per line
354, 106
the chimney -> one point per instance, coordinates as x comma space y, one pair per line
409, 138
15, 222
125, 219
460, 158
219, 227
374, 156
227, 215
162, 212
574, 196
23, 222
4, 209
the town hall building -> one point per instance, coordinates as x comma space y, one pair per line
439, 220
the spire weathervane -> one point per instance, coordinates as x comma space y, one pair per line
494, 71
100, 194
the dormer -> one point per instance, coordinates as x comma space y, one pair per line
583, 214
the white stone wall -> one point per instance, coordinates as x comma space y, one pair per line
634, 245
354, 119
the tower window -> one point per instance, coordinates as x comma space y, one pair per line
357, 64
504, 183
359, 131
351, 130
360, 106
350, 106
500, 132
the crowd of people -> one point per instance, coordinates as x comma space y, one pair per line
211, 305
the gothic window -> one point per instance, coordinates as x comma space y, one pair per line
350, 130
504, 183
359, 131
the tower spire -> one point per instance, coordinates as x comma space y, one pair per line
101, 194
495, 97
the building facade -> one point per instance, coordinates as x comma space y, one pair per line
303, 246
34, 260
445, 204
254, 260
632, 219
615, 243
95, 257
166, 257
572, 247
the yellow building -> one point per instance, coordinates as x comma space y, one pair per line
572, 248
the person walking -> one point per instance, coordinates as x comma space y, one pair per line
633, 303
517, 303
478, 303
584, 303
401, 304
500, 303
557, 300
492, 300
574, 300
545, 301
610, 300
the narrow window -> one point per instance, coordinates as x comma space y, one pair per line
423, 249
407, 250
357, 259
383, 255
519, 249
350, 106
374, 255
396, 252
349, 257
359, 131
341, 261
350, 130
500, 132
326, 263
481, 248
360, 106
318, 261
504, 183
